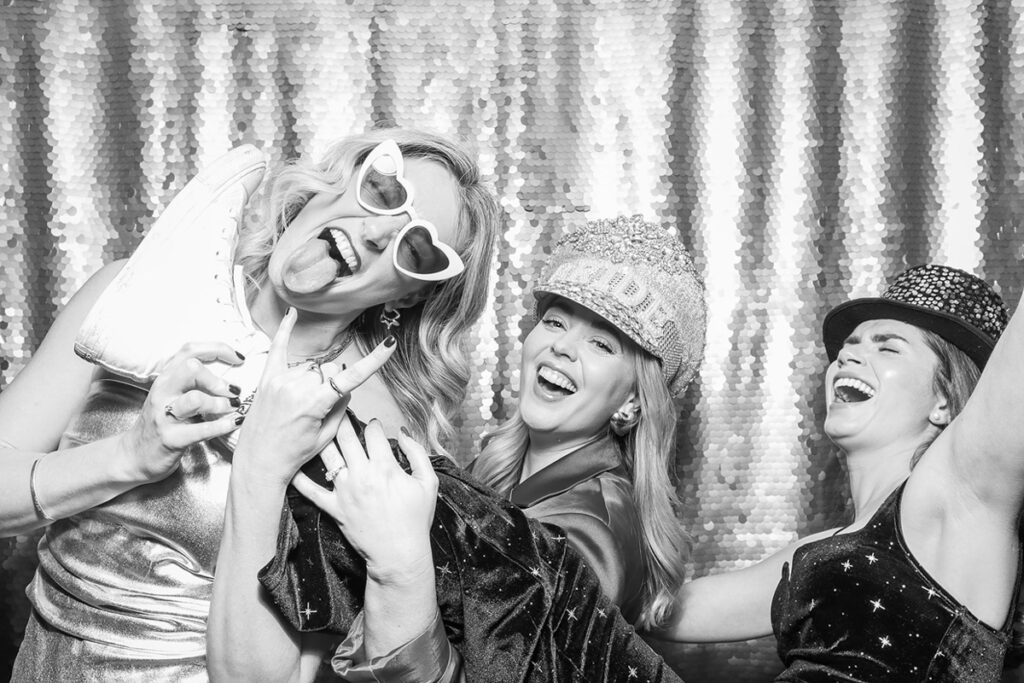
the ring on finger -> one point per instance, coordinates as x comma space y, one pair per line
169, 410
339, 392
333, 474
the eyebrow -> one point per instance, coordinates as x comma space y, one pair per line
878, 338
600, 324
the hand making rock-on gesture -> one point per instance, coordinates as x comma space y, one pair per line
297, 410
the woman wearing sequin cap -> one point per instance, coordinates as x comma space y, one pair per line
921, 584
126, 452
620, 334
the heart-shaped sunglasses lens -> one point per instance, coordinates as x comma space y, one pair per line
417, 252
380, 190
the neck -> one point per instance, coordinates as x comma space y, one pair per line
874, 474
545, 449
313, 334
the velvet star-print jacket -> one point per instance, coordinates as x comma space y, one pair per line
858, 607
589, 496
515, 598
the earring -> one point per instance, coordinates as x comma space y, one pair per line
622, 422
389, 318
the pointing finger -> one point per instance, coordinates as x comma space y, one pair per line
351, 449
364, 368
419, 459
277, 356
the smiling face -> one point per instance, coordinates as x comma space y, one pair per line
880, 390
336, 257
577, 370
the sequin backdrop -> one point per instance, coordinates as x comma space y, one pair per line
805, 150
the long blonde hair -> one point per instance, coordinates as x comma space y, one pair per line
648, 453
429, 372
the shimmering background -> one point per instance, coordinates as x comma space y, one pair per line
805, 150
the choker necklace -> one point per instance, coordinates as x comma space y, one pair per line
327, 356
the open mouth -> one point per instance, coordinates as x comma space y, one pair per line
339, 248
850, 390
555, 382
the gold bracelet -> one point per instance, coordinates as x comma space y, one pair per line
32, 490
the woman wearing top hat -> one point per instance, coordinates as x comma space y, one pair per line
620, 333
920, 586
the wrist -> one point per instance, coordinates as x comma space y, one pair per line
414, 565
125, 467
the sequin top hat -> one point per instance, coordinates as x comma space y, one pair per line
637, 276
959, 307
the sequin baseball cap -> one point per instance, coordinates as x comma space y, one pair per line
639, 277
959, 307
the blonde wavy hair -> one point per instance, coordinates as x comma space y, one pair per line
648, 453
429, 372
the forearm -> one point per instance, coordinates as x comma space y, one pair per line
66, 482
245, 638
704, 615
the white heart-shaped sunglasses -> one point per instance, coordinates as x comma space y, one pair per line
381, 188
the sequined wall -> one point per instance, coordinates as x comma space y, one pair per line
805, 150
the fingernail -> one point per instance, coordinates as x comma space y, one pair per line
405, 432
344, 367
234, 401
235, 389
240, 419
389, 341
240, 355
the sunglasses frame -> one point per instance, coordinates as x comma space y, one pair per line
389, 148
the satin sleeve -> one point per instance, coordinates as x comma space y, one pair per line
427, 658
594, 540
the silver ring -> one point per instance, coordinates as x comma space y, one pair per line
339, 392
169, 410
333, 474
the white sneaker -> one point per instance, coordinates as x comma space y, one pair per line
178, 285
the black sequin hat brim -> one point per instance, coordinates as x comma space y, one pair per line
844, 318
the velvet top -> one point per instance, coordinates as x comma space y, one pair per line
859, 607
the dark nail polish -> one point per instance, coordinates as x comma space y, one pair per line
405, 431
344, 367
240, 419
389, 341
235, 389
240, 355
234, 401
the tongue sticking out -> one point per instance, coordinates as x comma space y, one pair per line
310, 268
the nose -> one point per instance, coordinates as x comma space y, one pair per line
564, 344
847, 354
378, 231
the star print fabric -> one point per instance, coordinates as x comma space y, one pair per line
858, 607
516, 599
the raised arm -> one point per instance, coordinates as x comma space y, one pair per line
293, 416
36, 408
983, 449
